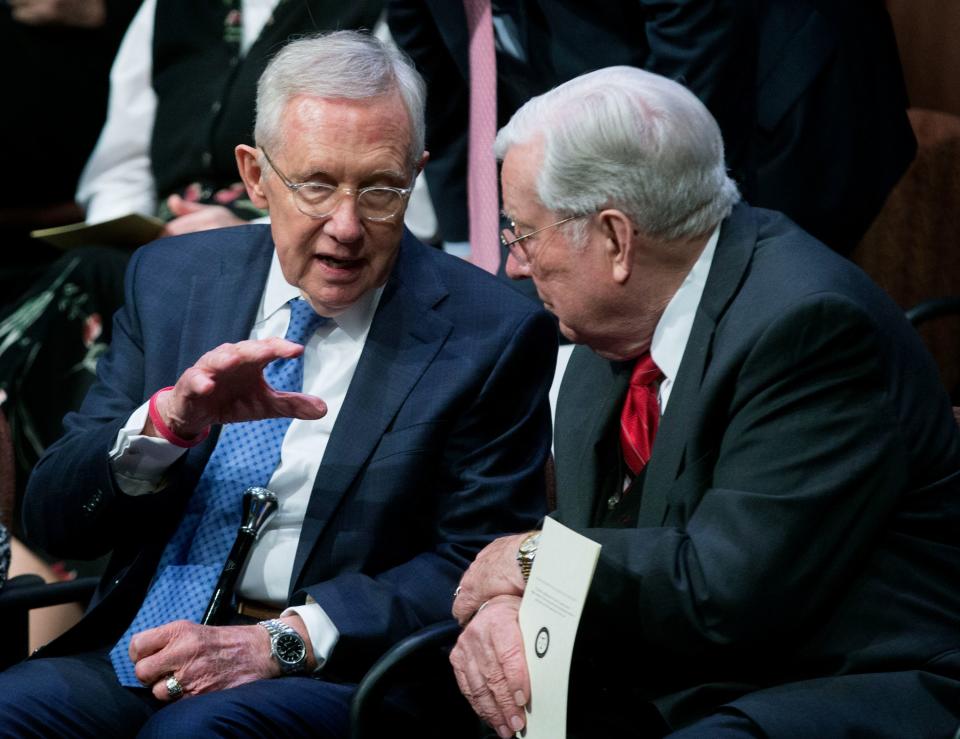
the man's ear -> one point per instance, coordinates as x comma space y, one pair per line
248, 164
619, 239
423, 161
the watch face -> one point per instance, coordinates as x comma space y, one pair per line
530, 544
290, 648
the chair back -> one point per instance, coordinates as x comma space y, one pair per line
912, 249
8, 481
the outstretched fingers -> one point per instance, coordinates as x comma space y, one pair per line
298, 405
226, 385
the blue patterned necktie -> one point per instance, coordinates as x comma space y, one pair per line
246, 454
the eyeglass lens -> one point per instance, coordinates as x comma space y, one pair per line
373, 203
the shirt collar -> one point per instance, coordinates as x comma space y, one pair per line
673, 329
355, 320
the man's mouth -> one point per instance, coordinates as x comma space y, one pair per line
338, 263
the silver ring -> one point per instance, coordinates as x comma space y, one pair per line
456, 592
174, 688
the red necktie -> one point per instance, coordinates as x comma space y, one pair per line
482, 198
640, 415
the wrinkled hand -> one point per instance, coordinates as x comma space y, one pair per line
202, 658
494, 572
490, 667
78, 13
191, 217
227, 385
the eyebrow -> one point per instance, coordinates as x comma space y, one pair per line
314, 176
389, 173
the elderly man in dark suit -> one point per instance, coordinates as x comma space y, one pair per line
417, 385
786, 564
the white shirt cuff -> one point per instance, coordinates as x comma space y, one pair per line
457, 248
140, 462
323, 634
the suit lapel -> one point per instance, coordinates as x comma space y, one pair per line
738, 236
591, 397
224, 297
222, 306
404, 338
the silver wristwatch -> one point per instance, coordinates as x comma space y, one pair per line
286, 646
527, 553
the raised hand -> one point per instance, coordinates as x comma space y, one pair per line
227, 385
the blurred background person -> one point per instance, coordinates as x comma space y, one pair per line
57, 54
809, 94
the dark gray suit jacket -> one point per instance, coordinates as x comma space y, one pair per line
796, 553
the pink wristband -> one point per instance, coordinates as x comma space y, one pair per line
165, 431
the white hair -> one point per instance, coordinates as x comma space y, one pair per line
625, 138
340, 64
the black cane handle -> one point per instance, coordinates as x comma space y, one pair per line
259, 505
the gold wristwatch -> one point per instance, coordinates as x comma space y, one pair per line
527, 553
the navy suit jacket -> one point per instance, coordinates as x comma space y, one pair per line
796, 553
438, 448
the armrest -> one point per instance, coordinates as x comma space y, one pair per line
373, 686
25, 592
933, 308
21, 594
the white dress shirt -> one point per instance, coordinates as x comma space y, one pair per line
330, 360
673, 329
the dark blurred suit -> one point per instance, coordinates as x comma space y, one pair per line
808, 93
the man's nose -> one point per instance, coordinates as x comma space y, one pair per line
514, 269
344, 223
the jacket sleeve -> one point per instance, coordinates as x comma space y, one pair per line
487, 481
710, 47
73, 506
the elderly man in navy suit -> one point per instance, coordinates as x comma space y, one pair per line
394, 398
753, 433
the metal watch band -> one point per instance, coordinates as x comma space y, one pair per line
527, 553
276, 629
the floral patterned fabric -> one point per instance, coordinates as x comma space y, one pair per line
49, 345
233, 197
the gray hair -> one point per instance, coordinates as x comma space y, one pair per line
629, 139
340, 64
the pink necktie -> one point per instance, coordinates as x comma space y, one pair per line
641, 414
482, 196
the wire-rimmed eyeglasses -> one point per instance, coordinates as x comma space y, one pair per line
319, 200
509, 238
